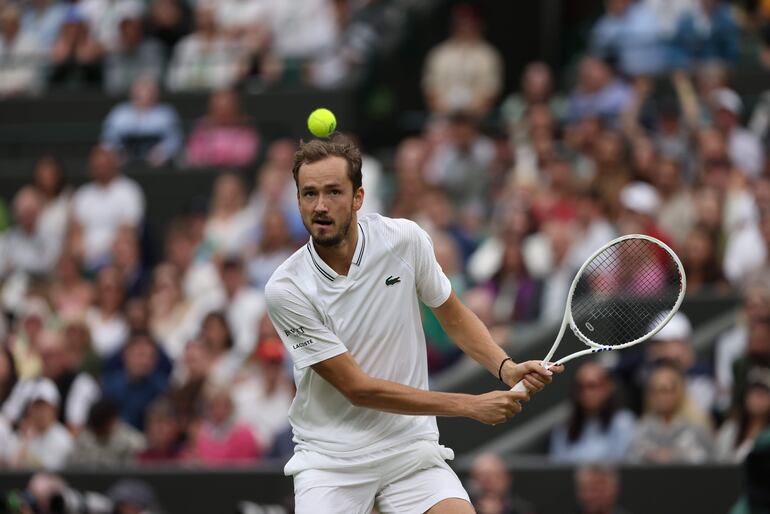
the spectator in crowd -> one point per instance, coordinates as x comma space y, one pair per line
21, 55
33, 315
101, 207
597, 488
244, 306
43, 442
229, 222
205, 59
731, 345
736, 436
168, 21
598, 429
598, 93
77, 390
536, 88
76, 56
676, 215
8, 444
199, 277
743, 146
700, 258
71, 295
174, 319
666, 434
220, 439
673, 344
263, 394
225, 136
464, 73
217, 338
756, 357
45, 19
274, 189
516, 293
107, 441
461, 164
298, 32
191, 376
709, 32
126, 258
489, 487
25, 248
50, 183
106, 321
143, 129
134, 387
275, 246
628, 34
134, 55
164, 434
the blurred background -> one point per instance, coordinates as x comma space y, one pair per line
146, 198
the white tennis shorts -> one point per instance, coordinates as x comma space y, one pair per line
408, 480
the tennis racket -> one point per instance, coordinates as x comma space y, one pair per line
621, 296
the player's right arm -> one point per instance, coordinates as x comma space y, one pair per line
311, 343
363, 390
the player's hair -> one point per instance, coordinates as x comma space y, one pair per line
338, 146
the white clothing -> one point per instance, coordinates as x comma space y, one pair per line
21, 64
302, 28
199, 65
103, 209
407, 480
374, 314
107, 335
48, 450
745, 254
229, 236
27, 252
8, 443
266, 415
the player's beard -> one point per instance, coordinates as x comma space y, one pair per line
331, 240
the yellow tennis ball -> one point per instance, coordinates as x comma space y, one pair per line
321, 122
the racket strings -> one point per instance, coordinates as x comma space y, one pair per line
626, 291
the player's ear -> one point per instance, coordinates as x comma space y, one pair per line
358, 198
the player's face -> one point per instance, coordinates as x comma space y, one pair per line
327, 200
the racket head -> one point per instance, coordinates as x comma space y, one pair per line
625, 292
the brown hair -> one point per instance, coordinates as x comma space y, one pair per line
337, 146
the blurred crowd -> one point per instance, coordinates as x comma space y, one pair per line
118, 351
189, 45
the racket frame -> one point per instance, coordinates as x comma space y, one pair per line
596, 347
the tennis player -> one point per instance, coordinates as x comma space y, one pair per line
346, 305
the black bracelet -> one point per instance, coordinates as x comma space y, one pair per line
500, 371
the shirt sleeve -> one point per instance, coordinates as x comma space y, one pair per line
433, 286
307, 340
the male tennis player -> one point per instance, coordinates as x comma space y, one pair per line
346, 307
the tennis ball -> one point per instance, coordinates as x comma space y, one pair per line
321, 122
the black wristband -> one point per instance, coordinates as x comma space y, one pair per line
500, 371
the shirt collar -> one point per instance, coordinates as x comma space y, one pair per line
324, 269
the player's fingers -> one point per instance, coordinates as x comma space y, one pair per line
537, 368
533, 384
519, 396
555, 368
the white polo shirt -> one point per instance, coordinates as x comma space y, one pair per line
373, 313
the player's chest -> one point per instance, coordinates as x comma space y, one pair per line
373, 299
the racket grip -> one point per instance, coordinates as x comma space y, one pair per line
519, 387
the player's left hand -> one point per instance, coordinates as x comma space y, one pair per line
534, 375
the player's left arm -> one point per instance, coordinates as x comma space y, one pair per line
473, 338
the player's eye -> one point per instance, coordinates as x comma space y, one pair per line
308, 194
336, 192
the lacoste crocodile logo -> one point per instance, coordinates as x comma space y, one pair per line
390, 280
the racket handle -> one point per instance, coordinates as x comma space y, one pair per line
519, 387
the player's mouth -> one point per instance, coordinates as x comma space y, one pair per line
323, 222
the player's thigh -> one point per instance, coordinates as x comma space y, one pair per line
319, 491
424, 490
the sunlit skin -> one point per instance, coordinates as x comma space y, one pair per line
329, 208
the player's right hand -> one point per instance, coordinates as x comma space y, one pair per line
497, 406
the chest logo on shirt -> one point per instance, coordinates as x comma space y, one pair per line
392, 280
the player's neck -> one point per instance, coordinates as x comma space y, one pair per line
340, 257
